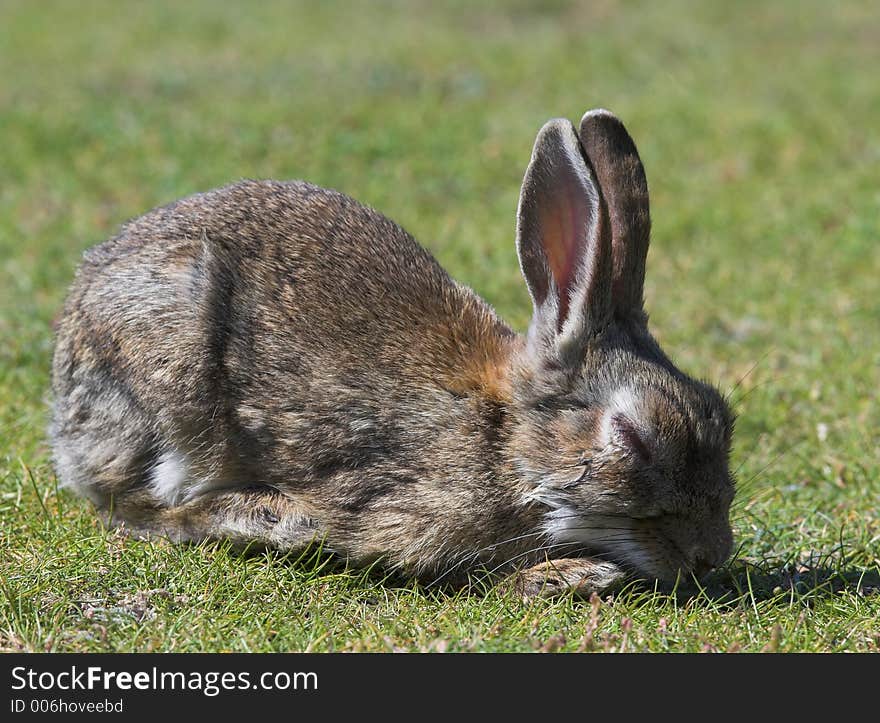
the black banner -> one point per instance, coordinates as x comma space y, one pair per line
121, 685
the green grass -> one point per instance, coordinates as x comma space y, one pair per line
758, 125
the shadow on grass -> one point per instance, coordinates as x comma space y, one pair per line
741, 580
738, 582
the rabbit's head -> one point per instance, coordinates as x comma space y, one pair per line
628, 454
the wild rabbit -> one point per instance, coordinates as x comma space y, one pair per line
274, 363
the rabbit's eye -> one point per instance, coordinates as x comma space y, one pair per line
579, 473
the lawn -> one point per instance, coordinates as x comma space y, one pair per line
759, 127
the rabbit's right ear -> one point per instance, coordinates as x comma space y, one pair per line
564, 246
620, 173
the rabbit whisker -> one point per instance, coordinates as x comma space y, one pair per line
541, 548
751, 369
474, 555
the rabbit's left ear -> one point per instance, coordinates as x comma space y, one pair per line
563, 242
621, 177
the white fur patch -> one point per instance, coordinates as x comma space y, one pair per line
169, 477
626, 402
611, 535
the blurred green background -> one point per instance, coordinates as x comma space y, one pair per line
759, 127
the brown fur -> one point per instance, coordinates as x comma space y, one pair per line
275, 363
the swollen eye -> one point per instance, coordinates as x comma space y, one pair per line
631, 437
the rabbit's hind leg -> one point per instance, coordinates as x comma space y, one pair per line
245, 516
107, 447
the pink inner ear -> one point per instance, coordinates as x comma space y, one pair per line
564, 239
631, 437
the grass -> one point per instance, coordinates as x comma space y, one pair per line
757, 124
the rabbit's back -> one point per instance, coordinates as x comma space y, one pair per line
271, 333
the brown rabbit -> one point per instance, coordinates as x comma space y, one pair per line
274, 363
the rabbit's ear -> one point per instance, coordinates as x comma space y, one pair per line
563, 241
621, 177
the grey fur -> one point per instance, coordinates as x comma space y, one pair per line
561, 201
619, 170
275, 363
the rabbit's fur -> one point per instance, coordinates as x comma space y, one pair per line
274, 363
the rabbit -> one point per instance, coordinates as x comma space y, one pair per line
275, 364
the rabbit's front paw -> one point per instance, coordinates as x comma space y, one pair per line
581, 575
